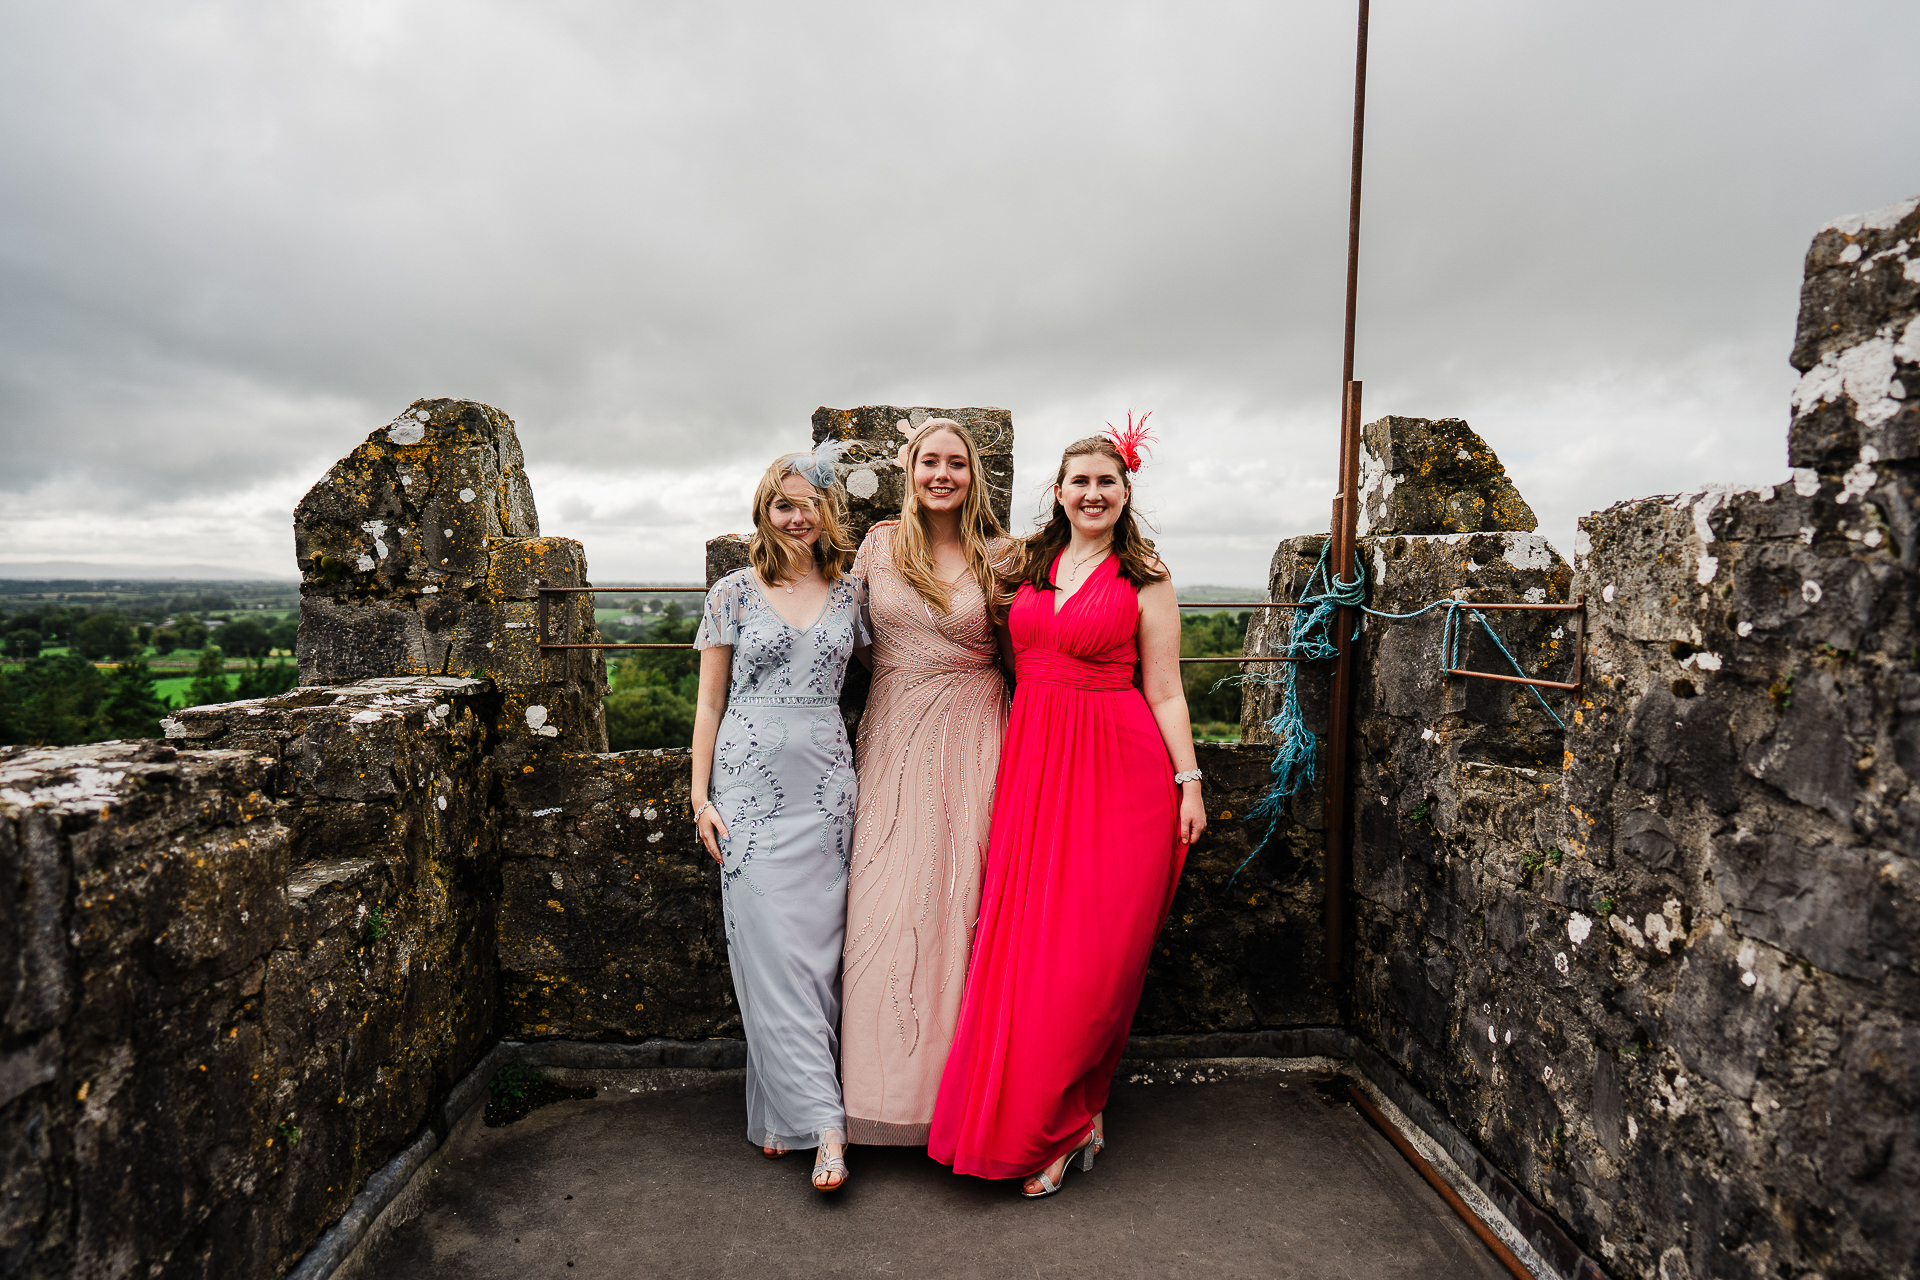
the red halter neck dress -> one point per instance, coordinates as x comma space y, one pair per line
1082, 860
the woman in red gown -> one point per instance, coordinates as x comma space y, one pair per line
1096, 802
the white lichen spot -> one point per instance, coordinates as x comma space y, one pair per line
1624, 927
1428, 735
536, 716
1850, 254
1806, 481
364, 564
1707, 661
863, 483
1560, 961
1547, 1074
1863, 373
1582, 543
363, 717
1578, 927
1462, 454
1806, 535
1535, 595
1528, 551
447, 532
1911, 269
1509, 1037
554, 876
466, 495
1749, 978
1860, 477
1493, 1037
1744, 630
377, 529
633, 813
1747, 954
1873, 538
441, 803
1633, 1129
429, 590
1810, 591
653, 815
403, 431
546, 813
1885, 219
656, 837
1606, 593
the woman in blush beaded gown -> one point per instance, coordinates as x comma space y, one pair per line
929, 746
1098, 798
773, 794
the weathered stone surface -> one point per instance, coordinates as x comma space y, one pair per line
1421, 475
1241, 952
874, 482
1858, 348
725, 554
609, 917
233, 977
1673, 994
413, 508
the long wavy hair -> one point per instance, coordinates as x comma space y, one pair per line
912, 547
1133, 549
781, 557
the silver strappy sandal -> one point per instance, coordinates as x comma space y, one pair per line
826, 1164
1084, 1154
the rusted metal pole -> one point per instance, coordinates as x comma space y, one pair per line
1346, 515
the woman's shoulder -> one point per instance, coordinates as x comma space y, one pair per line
734, 583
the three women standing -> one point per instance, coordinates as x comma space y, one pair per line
1082, 821
929, 747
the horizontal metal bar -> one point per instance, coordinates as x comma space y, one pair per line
1549, 608
628, 591
1269, 658
615, 646
1538, 684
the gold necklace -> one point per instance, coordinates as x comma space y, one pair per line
1081, 563
808, 577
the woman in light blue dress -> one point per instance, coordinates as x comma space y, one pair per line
773, 795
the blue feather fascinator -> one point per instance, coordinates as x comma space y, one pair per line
817, 468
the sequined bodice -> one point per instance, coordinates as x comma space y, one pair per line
773, 660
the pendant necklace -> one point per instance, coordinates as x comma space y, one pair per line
1081, 563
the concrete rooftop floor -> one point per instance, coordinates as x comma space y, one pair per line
1248, 1171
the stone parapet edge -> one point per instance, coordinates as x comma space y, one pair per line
1533, 1236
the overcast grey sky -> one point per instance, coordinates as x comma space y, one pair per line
234, 238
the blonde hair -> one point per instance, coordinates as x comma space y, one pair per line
912, 548
778, 556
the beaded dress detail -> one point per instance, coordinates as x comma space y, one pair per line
928, 750
783, 782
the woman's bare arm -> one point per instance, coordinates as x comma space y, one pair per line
710, 703
1160, 683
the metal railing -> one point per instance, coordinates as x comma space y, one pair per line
1578, 608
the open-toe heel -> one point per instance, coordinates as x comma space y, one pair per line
1082, 1154
826, 1165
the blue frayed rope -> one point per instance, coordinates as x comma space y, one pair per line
1296, 761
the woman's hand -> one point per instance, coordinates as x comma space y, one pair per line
713, 830
1193, 813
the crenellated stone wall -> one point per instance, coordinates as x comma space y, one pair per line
236, 970
1657, 963
1666, 980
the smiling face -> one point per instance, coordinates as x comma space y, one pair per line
941, 476
1093, 491
797, 519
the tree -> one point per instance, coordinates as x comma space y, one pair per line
285, 632
193, 632
263, 681
165, 640
644, 711
52, 701
23, 644
209, 679
132, 708
104, 635
246, 637
1203, 637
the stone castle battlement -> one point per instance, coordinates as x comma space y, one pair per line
1656, 967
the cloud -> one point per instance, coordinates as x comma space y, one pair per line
236, 238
